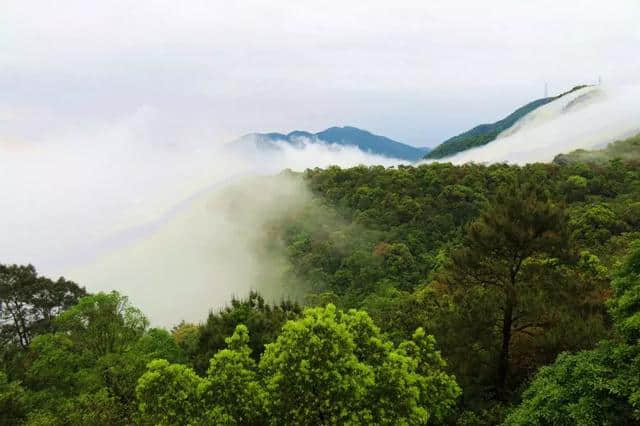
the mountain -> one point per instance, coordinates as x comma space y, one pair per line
364, 140
485, 133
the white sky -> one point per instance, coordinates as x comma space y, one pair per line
416, 71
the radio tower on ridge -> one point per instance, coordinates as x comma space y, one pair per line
546, 89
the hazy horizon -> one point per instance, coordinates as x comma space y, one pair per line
213, 71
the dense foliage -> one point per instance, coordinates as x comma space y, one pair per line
86, 372
28, 303
262, 319
453, 249
527, 277
328, 367
628, 149
600, 386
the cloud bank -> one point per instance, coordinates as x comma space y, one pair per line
113, 207
178, 226
588, 118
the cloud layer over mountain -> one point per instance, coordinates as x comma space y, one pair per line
588, 118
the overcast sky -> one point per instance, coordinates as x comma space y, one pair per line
416, 71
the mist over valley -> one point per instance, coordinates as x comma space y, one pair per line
319, 213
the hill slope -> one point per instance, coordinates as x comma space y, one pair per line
626, 149
485, 133
364, 140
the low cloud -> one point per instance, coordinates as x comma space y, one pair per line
177, 222
588, 118
175, 226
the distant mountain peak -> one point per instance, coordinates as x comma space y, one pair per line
345, 135
300, 134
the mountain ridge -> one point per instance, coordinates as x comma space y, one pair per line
345, 136
485, 133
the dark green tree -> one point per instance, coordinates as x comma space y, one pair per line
13, 408
29, 303
501, 262
264, 321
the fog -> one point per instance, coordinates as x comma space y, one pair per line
588, 118
180, 227
206, 253
177, 228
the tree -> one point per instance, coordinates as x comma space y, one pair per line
103, 323
328, 367
86, 373
120, 370
504, 254
576, 188
313, 373
96, 409
335, 367
12, 401
187, 337
600, 386
233, 387
55, 366
29, 303
596, 387
229, 394
596, 224
168, 394
262, 319
625, 305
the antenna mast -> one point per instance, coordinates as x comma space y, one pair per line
546, 89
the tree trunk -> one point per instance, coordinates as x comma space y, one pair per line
503, 362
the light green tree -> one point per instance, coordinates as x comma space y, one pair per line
86, 373
230, 394
344, 370
328, 367
103, 323
232, 387
312, 372
168, 394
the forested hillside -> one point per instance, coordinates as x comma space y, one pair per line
627, 149
437, 294
485, 133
